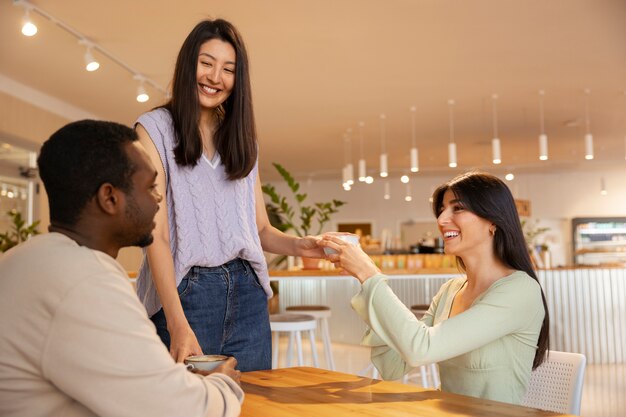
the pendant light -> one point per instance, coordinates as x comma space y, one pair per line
387, 194
495, 142
414, 156
362, 167
543, 138
383, 149
588, 136
452, 144
349, 166
603, 187
408, 196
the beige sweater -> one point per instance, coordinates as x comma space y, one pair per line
76, 341
487, 351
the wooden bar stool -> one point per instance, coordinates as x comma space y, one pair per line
321, 313
424, 370
293, 324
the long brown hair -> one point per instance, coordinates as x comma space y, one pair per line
488, 197
235, 138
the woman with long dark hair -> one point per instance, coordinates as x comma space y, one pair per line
204, 280
487, 329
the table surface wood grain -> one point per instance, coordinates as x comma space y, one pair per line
313, 392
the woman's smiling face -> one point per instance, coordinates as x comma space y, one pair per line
215, 73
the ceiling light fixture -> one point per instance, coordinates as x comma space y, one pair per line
362, 167
509, 177
495, 142
383, 151
408, 196
451, 145
28, 27
349, 166
90, 62
31, 29
543, 138
415, 167
387, 194
142, 95
603, 186
404, 179
588, 135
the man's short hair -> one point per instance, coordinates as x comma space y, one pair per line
78, 159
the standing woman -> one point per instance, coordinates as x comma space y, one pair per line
204, 280
486, 330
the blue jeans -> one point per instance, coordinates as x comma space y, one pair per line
226, 308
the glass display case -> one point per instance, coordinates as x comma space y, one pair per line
599, 241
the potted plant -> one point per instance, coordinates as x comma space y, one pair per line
299, 217
19, 232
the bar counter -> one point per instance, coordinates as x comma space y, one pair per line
587, 305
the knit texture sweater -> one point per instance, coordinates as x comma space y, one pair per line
487, 351
212, 219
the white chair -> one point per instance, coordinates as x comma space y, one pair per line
322, 314
423, 371
557, 384
294, 324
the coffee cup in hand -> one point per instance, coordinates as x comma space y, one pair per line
349, 238
205, 362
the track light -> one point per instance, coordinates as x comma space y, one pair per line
90, 62
142, 95
28, 27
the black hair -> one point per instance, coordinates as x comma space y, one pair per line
235, 138
77, 159
489, 198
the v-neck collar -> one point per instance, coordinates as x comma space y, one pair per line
214, 162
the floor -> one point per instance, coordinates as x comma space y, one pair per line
604, 391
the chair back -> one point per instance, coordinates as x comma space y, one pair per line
557, 384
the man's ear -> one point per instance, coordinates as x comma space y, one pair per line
109, 198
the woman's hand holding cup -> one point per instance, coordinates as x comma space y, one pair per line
344, 251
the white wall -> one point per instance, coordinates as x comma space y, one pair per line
555, 200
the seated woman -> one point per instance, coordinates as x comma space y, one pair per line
488, 329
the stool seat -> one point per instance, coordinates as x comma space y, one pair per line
293, 324
321, 313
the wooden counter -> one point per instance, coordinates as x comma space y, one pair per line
587, 305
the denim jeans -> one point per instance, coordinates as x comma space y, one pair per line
226, 308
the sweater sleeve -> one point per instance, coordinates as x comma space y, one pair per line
103, 351
399, 341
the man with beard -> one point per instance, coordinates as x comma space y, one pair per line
74, 338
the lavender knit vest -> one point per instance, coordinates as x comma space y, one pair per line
211, 220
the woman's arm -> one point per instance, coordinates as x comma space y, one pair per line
275, 241
183, 341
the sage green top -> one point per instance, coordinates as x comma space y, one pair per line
487, 351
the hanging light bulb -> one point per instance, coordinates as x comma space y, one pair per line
349, 166
495, 142
404, 179
414, 155
383, 151
588, 136
387, 194
543, 138
28, 27
509, 177
369, 179
603, 186
142, 95
452, 144
362, 167
408, 196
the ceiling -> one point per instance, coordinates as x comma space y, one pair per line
319, 68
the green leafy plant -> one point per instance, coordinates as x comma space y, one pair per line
18, 233
299, 218
531, 232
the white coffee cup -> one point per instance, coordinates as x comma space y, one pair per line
350, 238
205, 362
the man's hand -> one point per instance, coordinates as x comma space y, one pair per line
227, 368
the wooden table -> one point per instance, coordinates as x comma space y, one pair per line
313, 392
